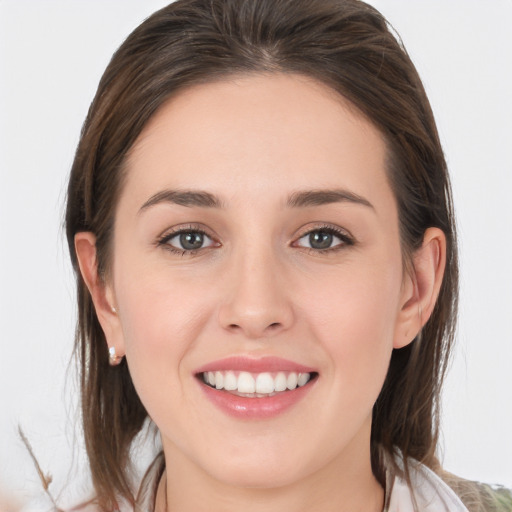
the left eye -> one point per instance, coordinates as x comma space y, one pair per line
321, 239
189, 240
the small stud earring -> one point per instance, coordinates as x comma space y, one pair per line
114, 310
113, 358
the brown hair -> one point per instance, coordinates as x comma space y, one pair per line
345, 44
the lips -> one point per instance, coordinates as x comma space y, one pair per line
255, 388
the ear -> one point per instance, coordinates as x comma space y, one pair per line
421, 287
102, 293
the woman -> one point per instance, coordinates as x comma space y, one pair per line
260, 218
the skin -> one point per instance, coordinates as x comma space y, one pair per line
256, 289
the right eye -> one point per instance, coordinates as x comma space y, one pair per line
186, 241
321, 239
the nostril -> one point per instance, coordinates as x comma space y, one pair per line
274, 326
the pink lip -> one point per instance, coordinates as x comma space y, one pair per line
247, 364
254, 408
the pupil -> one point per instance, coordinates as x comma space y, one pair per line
191, 240
320, 240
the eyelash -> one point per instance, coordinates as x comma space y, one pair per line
163, 241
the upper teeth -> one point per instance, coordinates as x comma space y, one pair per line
260, 383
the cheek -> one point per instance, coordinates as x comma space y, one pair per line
354, 318
161, 321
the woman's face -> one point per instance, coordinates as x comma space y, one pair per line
256, 238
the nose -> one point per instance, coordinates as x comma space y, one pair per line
256, 297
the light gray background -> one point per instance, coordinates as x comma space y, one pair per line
52, 54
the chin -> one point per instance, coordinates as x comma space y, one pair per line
258, 476
261, 466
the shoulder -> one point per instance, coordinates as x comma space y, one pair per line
480, 497
428, 491
501, 498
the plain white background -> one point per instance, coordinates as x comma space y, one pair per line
52, 54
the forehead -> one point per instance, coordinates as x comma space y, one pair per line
249, 134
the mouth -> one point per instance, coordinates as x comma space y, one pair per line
248, 388
256, 385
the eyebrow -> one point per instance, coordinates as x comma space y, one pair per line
307, 198
187, 198
300, 199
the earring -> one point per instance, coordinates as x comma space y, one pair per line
114, 310
113, 358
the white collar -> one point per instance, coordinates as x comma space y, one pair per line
429, 492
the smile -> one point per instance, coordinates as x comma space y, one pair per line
255, 385
255, 389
